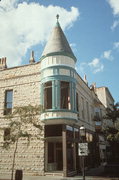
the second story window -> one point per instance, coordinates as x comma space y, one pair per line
97, 112
48, 95
97, 116
82, 102
77, 102
8, 102
87, 107
65, 95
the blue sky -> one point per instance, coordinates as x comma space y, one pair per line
91, 27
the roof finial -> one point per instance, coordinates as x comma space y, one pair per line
57, 16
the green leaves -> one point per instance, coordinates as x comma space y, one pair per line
22, 118
112, 112
112, 134
21, 122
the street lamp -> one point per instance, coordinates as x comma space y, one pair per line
82, 132
83, 135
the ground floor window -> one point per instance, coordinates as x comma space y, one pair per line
55, 156
61, 148
7, 134
50, 152
70, 154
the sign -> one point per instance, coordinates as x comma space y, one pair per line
83, 149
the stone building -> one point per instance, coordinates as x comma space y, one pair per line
68, 103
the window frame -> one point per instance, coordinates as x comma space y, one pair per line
47, 89
8, 110
65, 100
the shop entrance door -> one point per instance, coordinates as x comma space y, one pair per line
55, 157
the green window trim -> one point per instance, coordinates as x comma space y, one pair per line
56, 96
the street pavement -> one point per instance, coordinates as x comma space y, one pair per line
92, 174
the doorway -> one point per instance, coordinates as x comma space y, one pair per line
55, 157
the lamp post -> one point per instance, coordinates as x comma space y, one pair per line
83, 135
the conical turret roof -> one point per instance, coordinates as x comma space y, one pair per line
58, 44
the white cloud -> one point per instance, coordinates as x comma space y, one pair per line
94, 62
115, 24
23, 25
72, 45
82, 67
96, 65
107, 55
7, 5
115, 6
116, 45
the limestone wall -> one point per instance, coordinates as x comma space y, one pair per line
86, 104
25, 83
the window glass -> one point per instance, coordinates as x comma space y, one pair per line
97, 112
70, 158
65, 95
48, 95
70, 131
87, 106
77, 102
50, 152
8, 101
82, 99
76, 133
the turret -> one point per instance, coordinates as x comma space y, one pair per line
58, 78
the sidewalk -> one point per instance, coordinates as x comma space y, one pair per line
61, 178
91, 174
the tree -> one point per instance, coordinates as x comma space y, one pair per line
112, 133
112, 113
19, 120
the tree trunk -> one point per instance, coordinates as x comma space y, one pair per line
14, 155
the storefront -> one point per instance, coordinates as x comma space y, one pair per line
61, 149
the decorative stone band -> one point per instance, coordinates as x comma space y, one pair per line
58, 77
59, 53
57, 60
58, 71
59, 115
